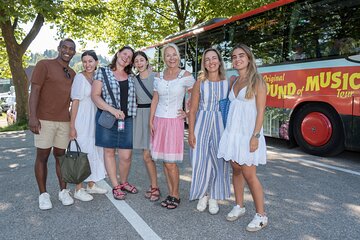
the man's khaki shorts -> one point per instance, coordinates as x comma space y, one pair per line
52, 134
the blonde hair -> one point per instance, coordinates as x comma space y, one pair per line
204, 72
172, 45
252, 73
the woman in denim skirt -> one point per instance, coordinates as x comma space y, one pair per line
121, 83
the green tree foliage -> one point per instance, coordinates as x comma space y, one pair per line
13, 13
137, 23
141, 23
4, 65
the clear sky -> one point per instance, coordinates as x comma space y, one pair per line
46, 39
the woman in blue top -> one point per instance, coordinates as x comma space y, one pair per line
210, 175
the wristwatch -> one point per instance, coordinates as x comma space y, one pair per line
256, 135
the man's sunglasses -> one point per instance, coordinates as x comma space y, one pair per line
67, 74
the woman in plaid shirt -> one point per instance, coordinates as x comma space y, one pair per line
121, 83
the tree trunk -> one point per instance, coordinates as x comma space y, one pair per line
15, 53
17, 70
21, 87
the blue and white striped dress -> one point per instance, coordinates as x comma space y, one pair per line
209, 173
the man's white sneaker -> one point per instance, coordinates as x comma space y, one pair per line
65, 198
202, 204
82, 195
258, 223
213, 206
44, 201
95, 189
235, 213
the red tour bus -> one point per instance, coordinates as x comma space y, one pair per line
309, 55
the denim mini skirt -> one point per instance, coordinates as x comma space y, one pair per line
112, 138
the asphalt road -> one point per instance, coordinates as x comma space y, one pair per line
307, 197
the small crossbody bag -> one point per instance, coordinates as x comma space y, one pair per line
106, 119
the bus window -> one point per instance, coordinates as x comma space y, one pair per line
182, 50
264, 34
324, 28
191, 56
215, 39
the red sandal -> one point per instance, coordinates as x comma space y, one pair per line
153, 194
127, 187
118, 194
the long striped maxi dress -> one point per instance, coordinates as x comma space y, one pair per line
209, 173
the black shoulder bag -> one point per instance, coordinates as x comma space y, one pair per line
106, 119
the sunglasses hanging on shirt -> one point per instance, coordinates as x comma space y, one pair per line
67, 74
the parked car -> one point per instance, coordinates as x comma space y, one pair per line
9, 101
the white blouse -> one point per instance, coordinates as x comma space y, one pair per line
171, 94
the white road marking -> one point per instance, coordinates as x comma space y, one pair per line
130, 215
308, 162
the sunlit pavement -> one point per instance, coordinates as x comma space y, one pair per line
307, 197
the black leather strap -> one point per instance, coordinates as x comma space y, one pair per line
144, 105
143, 87
109, 88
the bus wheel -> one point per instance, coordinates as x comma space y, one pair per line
318, 130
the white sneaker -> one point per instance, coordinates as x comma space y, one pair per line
213, 206
82, 195
65, 198
44, 201
95, 189
202, 204
235, 213
258, 222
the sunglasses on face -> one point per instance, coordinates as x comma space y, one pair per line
67, 74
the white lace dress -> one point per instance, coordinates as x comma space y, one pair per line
235, 141
85, 127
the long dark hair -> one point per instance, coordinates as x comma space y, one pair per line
128, 68
90, 53
141, 53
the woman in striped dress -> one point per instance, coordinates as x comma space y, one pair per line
210, 175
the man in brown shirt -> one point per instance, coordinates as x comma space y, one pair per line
49, 117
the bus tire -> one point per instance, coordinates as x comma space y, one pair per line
318, 130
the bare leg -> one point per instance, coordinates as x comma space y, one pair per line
110, 165
173, 178
239, 183
78, 186
256, 189
167, 179
40, 168
151, 168
91, 184
59, 152
125, 164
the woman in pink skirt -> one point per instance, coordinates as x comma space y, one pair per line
166, 120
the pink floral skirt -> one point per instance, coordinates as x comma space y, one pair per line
167, 143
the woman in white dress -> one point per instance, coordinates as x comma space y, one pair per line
243, 142
82, 126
